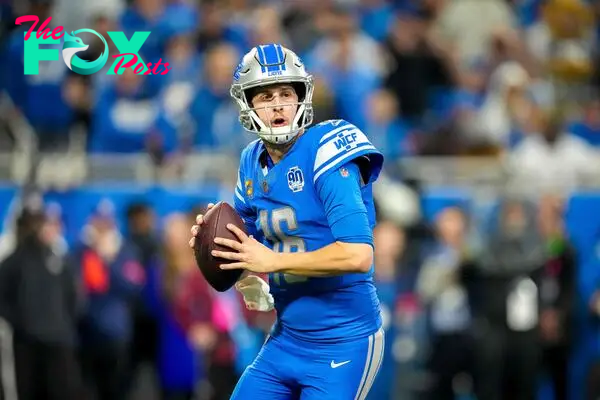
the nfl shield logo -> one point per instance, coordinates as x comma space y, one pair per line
295, 179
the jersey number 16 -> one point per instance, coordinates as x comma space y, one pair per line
282, 243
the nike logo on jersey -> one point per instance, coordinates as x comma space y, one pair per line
336, 365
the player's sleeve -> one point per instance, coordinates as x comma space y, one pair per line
342, 144
340, 194
241, 204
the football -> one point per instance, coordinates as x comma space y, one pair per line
215, 225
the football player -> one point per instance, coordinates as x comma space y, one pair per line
305, 195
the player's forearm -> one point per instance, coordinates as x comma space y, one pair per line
334, 259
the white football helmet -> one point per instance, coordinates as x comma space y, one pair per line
266, 65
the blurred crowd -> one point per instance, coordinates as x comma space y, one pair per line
473, 308
89, 318
421, 77
486, 308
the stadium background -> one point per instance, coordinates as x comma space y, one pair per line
470, 100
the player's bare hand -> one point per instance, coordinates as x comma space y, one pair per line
196, 228
248, 253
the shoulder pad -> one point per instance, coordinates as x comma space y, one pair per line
341, 142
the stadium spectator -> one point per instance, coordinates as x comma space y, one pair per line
147, 15
266, 27
349, 62
183, 307
387, 129
207, 321
141, 235
552, 160
217, 26
376, 17
50, 120
141, 228
39, 298
126, 119
588, 128
419, 64
213, 115
301, 23
563, 39
225, 333
103, 20
441, 289
557, 295
482, 17
182, 80
504, 297
389, 248
506, 103
111, 277
590, 292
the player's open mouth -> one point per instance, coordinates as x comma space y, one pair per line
277, 122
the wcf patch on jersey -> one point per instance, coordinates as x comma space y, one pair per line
295, 179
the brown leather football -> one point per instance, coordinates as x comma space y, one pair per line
215, 225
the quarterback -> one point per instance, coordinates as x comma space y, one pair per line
305, 195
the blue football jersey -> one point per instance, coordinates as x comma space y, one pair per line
281, 207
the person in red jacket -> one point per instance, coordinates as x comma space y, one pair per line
211, 320
187, 334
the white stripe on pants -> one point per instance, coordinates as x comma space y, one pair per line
372, 364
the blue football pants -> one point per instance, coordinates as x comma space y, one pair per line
288, 369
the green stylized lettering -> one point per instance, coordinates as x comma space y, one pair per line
128, 46
33, 53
